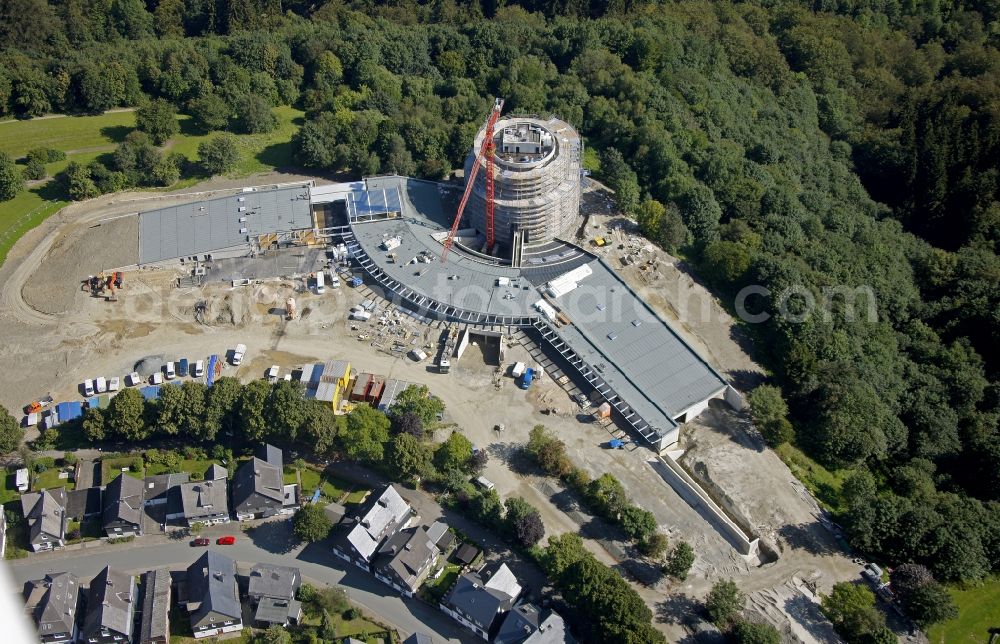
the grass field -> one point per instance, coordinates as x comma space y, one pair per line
823, 483
196, 467
978, 613
7, 490
85, 138
50, 479
112, 467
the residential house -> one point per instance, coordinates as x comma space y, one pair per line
382, 516
205, 501
404, 560
155, 626
441, 536
418, 638
158, 486
527, 624
121, 513
479, 601
258, 488
272, 590
52, 604
83, 503
45, 514
211, 596
110, 608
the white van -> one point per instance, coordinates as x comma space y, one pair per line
171, 371
114, 383
101, 385
320, 282
133, 379
88, 387
485, 483
238, 354
199, 368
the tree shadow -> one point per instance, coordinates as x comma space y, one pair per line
678, 609
51, 190
116, 133
189, 127
277, 156
644, 571
514, 457
274, 536
806, 613
745, 379
811, 537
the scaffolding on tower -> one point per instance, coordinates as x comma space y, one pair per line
485, 153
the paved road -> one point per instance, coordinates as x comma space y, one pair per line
265, 544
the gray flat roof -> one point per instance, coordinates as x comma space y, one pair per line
212, 225
641, 357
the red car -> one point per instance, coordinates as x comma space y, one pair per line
227, 540
200, 541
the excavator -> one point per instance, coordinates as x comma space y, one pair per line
103, 281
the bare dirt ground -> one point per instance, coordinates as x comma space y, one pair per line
53, 344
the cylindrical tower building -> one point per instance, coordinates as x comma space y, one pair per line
536, 178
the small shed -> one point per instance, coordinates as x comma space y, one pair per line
361, 385
335, 512
466, 554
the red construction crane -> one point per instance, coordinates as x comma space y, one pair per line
485, 152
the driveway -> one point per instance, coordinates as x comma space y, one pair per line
269, 544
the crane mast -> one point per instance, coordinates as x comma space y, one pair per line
486, 151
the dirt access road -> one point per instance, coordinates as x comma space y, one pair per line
87, 337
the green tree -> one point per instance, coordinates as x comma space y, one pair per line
310, 523
210, 112
724, 603
221, 407
654, 545
219, 155
454, 453
168, 410
254, 115
562, 552
488, 509
637, 523
11, 180
365, 434
320, 427
418, 400
77, 183
250, 410
548, 451
748, 632
93, 425
622, 179
770, 414
923, 598
851, 609
285, 410
158, 119
408, 458
193, 413
124, 418
679, 561
607, 496
523, 522
11, 433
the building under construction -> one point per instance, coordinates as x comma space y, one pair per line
536, 172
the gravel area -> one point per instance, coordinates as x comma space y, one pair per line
54, 287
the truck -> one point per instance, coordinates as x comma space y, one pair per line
238, 353
529, 375
518, 370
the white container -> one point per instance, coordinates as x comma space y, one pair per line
518, 369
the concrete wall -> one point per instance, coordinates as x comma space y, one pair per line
734, 398
690, 491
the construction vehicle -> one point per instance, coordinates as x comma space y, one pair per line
485, 156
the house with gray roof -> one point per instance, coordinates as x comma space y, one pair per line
272, 591
121, 513
110, 608
84, 503
382, 516
158, 486
52, 603
479, 601
405, 559
258, 486
211, 596
204, 501
45, 514
156, 593
528, 624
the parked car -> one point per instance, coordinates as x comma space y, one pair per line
170, 371
200, 541
238, 353
88, 387
272, 374
227, 540
199, 368
114, 383
133, 379
101, 385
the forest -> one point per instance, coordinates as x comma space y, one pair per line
798, 145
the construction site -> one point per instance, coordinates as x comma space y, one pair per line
359, 288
